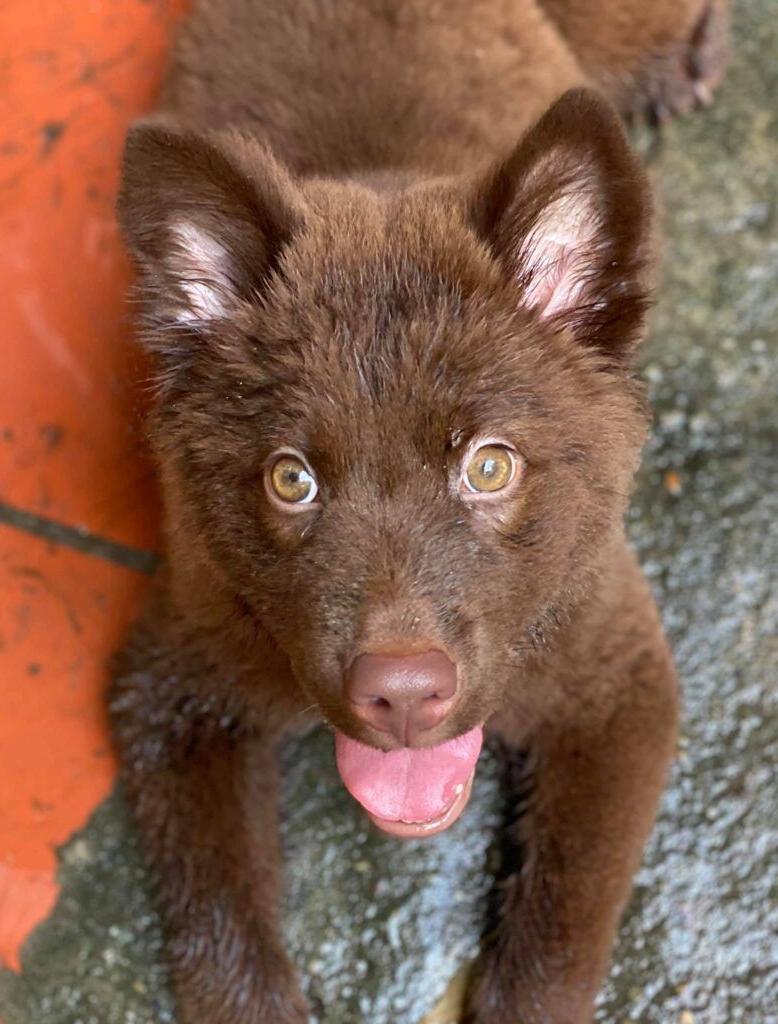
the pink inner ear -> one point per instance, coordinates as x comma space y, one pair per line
556, 255
557, 280
201, 265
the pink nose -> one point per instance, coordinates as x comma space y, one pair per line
404, 696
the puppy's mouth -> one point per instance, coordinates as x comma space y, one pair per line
410, 793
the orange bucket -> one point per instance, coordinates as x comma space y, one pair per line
72, 461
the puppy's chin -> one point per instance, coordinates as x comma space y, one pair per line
411, 793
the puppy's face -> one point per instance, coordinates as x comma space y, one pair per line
402, 425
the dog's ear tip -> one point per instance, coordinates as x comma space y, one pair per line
206, 215
151, 130
568, 214
584, 96
584, 119
585, 108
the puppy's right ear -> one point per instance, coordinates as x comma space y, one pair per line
206, 217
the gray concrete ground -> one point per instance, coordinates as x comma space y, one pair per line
700, 942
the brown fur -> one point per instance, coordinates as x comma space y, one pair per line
335, 229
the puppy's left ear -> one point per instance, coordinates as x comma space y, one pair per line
207, 216
568, 215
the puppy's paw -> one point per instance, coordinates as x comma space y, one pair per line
270, 1008
493, 995
512, 987
267, 995
676, 82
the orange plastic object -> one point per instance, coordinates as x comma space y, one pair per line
72, 76
62, 614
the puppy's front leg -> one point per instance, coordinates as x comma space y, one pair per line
202, 788
592, 798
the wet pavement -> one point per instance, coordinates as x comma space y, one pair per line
377, 927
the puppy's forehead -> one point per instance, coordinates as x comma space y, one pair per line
408, 233
381, 278
394, 382
405, 330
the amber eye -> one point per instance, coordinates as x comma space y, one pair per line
291, 481
489, 469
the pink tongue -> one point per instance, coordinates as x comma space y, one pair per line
407, 785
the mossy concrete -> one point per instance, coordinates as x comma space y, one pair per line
378, 927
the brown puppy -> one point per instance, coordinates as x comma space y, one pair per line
397, 430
